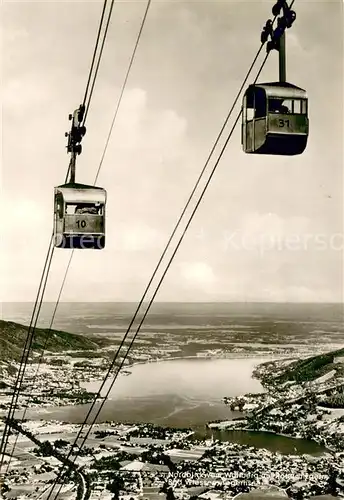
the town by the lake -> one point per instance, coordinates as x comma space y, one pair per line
300, 401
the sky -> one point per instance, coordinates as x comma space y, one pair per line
268, 228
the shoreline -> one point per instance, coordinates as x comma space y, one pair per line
265, 431
229, 425
179, 358
125, 369
125, 372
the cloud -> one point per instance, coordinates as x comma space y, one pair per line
197, 274
141, 128
186, 73
20, 95
24, 209
139, 238
145, 141
272, 224
294, 43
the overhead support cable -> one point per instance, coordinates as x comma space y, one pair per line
94, 52
75, 444
44, 348
26, 352
123, 88
176, 249
148, 307
109, 135
37, 304
99, 59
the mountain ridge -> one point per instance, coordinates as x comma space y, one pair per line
13, 337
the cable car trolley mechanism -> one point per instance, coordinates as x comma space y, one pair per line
275, 114
79, 209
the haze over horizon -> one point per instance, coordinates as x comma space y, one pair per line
269, 229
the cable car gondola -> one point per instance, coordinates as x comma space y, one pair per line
275, 119
275, 115
79, 216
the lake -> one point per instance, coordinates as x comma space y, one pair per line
183, 393
180, 392
189, 392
